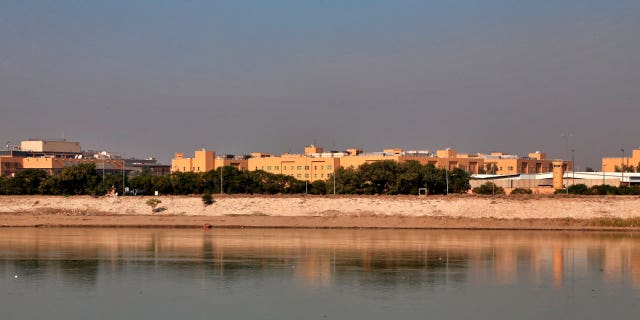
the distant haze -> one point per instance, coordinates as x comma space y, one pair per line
149, 78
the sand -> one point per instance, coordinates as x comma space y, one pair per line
460, 211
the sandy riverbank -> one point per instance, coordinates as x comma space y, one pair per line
528, 212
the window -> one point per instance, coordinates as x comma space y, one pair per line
315, 175
306, 175
329, 167
277, 167
321, 167
299, 167
322, 175
269, 168
291, 167
306, 167
284, 168
315, 167
299, 175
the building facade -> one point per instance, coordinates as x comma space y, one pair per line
629, 164
317, 164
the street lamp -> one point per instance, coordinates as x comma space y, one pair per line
573, 169
622, 167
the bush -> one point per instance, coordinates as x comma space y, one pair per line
153, 203
488, 188
207, 198
521, 191
579, 189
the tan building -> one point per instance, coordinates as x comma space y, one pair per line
202, 161
504, 164
239, 162
316, 164
53, 166
301, 167
50, 146
616, 164
10, 165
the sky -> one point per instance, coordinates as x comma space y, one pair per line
150, 78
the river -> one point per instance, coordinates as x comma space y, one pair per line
93, 273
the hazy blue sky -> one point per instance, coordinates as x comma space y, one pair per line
149, 78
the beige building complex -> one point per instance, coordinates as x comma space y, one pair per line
317, 164
629, 164
52, 156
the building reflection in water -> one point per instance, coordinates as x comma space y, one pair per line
322, 258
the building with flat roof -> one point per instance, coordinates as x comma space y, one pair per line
622, 164
318, 164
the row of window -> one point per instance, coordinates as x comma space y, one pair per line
299, 168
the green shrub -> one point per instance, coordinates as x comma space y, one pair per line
579, 189
488, 189
207, 198
153, 203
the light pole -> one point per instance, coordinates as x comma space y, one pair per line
123, 177
334, 177
603, 169
221, 188
573, 169
622, 167
446, 176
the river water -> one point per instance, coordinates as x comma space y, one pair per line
78, 273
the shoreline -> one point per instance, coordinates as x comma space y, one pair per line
601, 213
8, 220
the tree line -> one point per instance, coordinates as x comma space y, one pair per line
383, 177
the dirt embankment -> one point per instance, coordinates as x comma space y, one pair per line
522, 212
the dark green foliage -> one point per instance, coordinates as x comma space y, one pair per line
318, 187
488, 188
579, 189
207, 198
521, 191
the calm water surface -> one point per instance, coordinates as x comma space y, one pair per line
317, 274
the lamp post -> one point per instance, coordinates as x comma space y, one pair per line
446, 176
573, 169
622, 167
123, 177
334, 178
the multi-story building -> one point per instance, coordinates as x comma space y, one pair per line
316, 164
629, 164
202, 161
52, 156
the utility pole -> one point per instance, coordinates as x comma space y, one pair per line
573, 169
123, 177
446, 176
622, 167
334, 178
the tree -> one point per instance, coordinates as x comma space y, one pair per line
318, 187
27, 181
75, 180
459, 181
378, 177
153, 203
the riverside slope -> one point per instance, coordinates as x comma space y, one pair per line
459, 211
